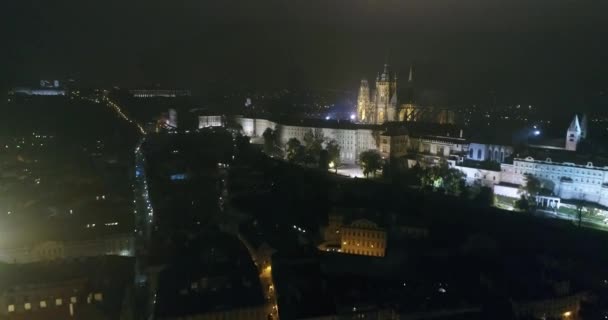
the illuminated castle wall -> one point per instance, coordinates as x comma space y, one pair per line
352, 139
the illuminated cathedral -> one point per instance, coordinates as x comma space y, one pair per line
385, 102
378, 105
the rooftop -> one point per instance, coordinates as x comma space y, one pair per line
562, 156
215, 274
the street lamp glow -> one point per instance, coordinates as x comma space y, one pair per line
536, 132
352, 116
326, 117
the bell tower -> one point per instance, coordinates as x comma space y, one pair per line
364, 114
384, 88
574, 134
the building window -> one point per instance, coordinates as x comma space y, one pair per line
58, 302
42, 304
27, 306
98, 296
11, 308
479, 154
73, 300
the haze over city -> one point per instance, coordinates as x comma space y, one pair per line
522, 50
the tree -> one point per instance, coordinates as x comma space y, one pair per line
442, 177
453, 179
313, 144
324, 160
268, 136
271, 142
295, 150
531, 187
522, 204
485, 197
243, 146
370, 161
490, 165
333, 153
580, 205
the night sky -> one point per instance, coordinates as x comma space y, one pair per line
541, 51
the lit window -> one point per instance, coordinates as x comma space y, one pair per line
58, 302
42, 304
11, 308
27, 306
98, 296
73, 300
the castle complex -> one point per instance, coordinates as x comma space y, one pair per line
566, 173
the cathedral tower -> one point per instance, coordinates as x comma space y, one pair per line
574, 134
364, 112
385, 99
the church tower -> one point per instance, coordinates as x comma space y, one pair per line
364, 110
574, 134
386, 86
584, 126
406, 110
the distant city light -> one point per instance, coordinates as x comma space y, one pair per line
536, 132
327, 118
353, 116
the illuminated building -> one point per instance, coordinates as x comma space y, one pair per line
394, 143
39, 91
352, 138
210, 121
159, 93
172, 121
363, 237
392, 140
567, 178
574, 134
567, 174
492, 152
332, 231
69, 289
384, 103
120, 245
379, 105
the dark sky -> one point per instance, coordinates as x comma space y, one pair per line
533, 51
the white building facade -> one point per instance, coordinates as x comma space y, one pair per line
352, 139
492, 152
566, 180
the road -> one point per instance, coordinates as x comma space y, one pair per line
229, 220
